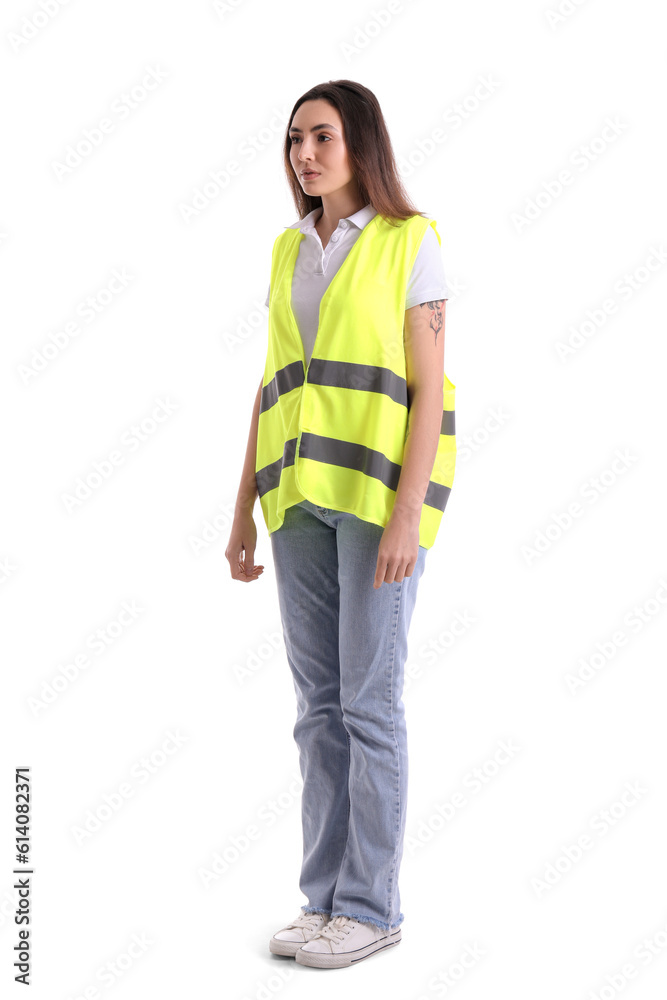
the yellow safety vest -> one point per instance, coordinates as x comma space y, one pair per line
334, 432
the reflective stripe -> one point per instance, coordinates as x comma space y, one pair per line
268, 478
367, 378
447, 425
372, 463
283, 381
348, 455
343, 375
437, 495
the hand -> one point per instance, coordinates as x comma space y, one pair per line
243, 539
398, 549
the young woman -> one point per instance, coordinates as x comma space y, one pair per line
352, 452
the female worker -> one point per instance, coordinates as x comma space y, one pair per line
351, 451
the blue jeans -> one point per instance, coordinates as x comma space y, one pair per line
346, 645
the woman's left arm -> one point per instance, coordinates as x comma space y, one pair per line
424, 339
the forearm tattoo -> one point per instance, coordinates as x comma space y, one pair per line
436, 318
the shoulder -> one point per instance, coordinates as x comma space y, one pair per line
410, 230
284, 238
421, 221
416, 221
422, 229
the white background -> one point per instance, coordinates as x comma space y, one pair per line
203, 657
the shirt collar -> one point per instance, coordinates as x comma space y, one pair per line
358, 219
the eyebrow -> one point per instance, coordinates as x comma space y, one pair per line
314, 128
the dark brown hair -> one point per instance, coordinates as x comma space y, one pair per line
368, 146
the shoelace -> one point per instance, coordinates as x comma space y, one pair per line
307, 921
337, 928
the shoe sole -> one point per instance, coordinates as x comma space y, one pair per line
338, 961
279, 947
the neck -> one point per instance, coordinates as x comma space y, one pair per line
339, 205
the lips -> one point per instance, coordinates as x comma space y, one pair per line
309, 173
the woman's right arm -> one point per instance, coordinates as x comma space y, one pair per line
240, 549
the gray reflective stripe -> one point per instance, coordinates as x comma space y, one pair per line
344, 375
368, 378
348, 455
372, 463
447, 425
268, 478
284, 380
437, 495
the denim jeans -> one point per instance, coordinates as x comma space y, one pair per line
346, 645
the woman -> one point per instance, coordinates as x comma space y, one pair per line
351, 451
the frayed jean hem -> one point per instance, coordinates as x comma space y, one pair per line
371, 920
314, 909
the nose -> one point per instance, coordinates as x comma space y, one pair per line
304, 152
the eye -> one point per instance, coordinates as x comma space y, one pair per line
295, 138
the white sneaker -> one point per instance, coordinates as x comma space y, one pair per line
288, 940
344, 941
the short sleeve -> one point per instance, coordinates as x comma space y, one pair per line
267, 296
427, 280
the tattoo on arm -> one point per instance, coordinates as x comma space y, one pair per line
436, 318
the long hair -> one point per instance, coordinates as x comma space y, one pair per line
369, 151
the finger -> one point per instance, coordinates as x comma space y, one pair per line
242, 574
393, 572
380, 572
248, 561
403, 569
254, 571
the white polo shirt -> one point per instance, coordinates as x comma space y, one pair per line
316, 267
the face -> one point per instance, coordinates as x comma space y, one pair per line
322, 151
